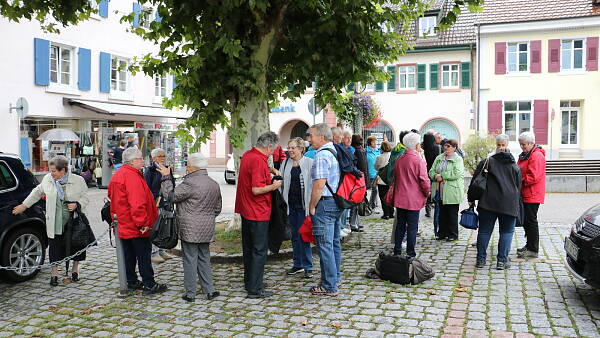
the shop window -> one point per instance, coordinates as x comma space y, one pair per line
61, 61
8, 180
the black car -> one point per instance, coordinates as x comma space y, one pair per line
23, 239
583, 248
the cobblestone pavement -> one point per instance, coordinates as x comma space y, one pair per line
533, 298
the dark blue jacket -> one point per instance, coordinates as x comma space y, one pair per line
152, 177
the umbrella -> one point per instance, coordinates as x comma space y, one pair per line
58, 135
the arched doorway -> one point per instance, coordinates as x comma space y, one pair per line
291, 129
444, 127
299, 130
382, 128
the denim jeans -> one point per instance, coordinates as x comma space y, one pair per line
487, 219
302, 254
137, 250
327, 238
373, 198
407, 223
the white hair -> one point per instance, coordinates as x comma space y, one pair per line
197, 160
411, 140
336, 131
502, 138
322, 129
130, 153
527, 137
157, 151
267, 139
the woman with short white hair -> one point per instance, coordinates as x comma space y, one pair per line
199, 201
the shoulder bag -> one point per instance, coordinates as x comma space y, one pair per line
479, 183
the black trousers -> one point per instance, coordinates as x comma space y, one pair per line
448, 221
254, 247
138, 250
387, 210
530, 225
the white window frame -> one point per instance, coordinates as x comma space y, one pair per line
57, 87
449, 72
95, 6
517, 117
158, 99
147, 16
516, 53
116, 93
569, 109
572, 56
59, 66
426, 26
404, 72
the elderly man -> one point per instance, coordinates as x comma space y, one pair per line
134, 205
337, 135
347, 140
253, 203
324, 211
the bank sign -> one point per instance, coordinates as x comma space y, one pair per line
284, 109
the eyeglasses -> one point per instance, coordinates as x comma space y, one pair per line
292, 148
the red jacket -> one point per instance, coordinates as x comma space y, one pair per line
132, 201
411, 182
533, 172
278, 155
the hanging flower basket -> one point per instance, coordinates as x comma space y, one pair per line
360, 107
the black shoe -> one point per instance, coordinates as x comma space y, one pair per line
188, 299
440, 238
157, 288
308, 274
480, 264
136, 286
54, 281
74, 277
427, 215
385, 217
294, 271
523, 249
213, 295
263, 294
502, 265
451, 239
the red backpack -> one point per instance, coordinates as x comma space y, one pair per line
352, 188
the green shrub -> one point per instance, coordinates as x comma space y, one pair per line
476, 148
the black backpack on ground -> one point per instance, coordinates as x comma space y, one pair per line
393, 268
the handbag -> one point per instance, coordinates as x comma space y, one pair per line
79, 231
389, 196
364, 208
165, 232
98, 170
479, 183
469, 219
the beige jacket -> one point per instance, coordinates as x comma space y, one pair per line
381, 161
75, 191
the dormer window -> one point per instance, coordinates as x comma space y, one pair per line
427, 26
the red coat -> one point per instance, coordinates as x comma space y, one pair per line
533, 172
278, 155
411, 182
132, 201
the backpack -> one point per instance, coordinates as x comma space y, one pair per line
398, 150
393, 268
352, 188
420, 271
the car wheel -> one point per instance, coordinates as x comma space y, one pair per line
23, 249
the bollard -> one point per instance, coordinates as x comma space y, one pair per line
123, 290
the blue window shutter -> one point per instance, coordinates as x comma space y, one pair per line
104, 72
157, 17
137, 10
41, 54
84, 69
103, 8
174, 82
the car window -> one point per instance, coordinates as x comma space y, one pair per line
7, 179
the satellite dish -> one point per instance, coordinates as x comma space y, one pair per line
22, 107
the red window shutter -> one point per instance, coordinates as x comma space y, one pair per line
554, 55
540, 121
500, 57
494, 117
592, 53
536, 56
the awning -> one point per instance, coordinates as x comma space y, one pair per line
110, 108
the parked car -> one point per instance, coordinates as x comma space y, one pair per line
230, 171
23, 239
583, 248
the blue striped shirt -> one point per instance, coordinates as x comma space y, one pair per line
326, 166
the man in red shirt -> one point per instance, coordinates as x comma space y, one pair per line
133, 203
253, 203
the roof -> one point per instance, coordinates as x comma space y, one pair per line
462, 33
507, 11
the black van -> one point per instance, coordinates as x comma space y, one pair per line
23, 239
583, 248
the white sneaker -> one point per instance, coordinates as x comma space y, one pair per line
346, 231
157, 259
166, 256
343, 234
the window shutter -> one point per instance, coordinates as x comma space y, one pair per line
540, 121
500, 57
350, 87
536, 56
391, 85
592, 53
157, 16
465, 75
41, 57
494, 117
421, 77
175, 83
433, 76
379, 84
84, 69
103, 8
315, 83
554, 55
104, 72
137, 10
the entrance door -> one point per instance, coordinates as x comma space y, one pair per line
569, 132
443, 127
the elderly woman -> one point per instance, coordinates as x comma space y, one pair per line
360, 156
198, 200
296, 191
533, 190
411, 189
447, 175
382, 187
63, 192
500, 201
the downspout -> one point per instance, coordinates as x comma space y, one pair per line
478, 77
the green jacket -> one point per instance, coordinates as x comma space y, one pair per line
398, 150
454, 179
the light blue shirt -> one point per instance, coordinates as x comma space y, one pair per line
311, 152
325, 165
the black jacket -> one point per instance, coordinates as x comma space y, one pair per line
361, 162
153, 177
503, 191
431, 149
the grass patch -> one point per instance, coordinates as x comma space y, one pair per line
230, 242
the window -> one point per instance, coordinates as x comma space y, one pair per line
60, 65
517, 118
160, 85
407, 77
569, 132
94, 5
147, 16
427, 25
518, 57
572, 54
450, 76
118, 74
8, 181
